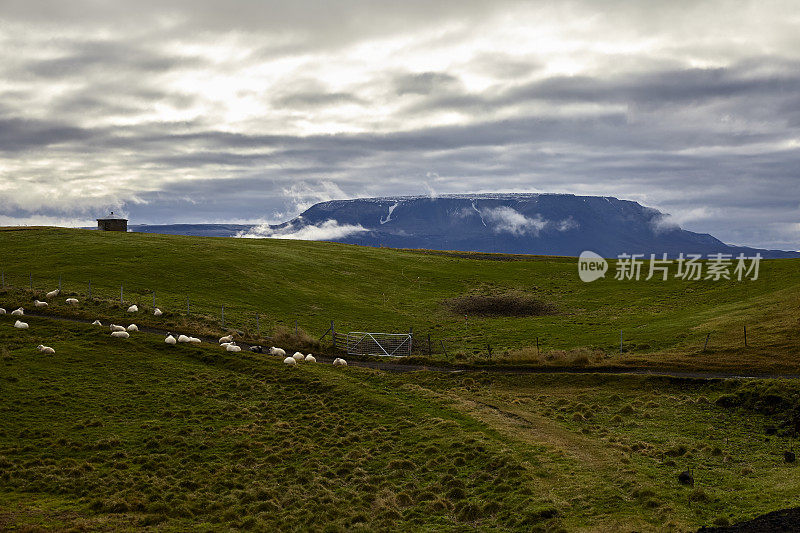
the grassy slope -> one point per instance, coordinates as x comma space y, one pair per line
125, 434
367, 289
129, 433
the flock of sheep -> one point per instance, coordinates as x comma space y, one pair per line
123, 332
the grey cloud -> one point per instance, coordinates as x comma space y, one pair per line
19, 134
423, 83
314, 99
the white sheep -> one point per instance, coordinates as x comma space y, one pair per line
277, 351
120, 334
72, 301
194, 340
18, 312
310, 359
225, 344
233, 348
114, 327
157, 312
52, 294
133, 327
37, 303
46, 349
20, 325
170, 339
2, 311
339, 362
183, 338
133, 309
299, 357
291, 361
226, 338
97, 323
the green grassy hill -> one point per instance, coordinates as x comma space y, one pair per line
385, 290
130, 434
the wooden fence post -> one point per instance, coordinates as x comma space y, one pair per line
706, 344
223, 316
430, 352
120, 295
90, 289
443, 349
745, 336
258, 327
333, 332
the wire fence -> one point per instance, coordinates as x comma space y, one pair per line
245, 319
257, 323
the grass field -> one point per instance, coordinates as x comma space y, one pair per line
130, 434
663, 324
127, 434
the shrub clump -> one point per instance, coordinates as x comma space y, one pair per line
506, 304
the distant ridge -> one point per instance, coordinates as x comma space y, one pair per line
521, 223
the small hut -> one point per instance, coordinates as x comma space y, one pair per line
112, 223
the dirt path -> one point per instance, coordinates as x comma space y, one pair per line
394, 366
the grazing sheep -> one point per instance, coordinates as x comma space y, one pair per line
183, 338
257, 349
20, 325
299, 357
37, 303
310, 359
339, 362
114, 327
686, 477
233, 348
2, 311
291, 361
72, 301
277, 351
157, 312
52, 294
46, 349
97, 323
18, 312
225, 344
194, 340
120, 334
133, 309
226, 338
133, 327
170, 339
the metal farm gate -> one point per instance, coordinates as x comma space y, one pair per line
384, 344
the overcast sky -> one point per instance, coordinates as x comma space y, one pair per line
203, 111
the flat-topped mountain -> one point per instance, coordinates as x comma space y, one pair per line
549, 224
